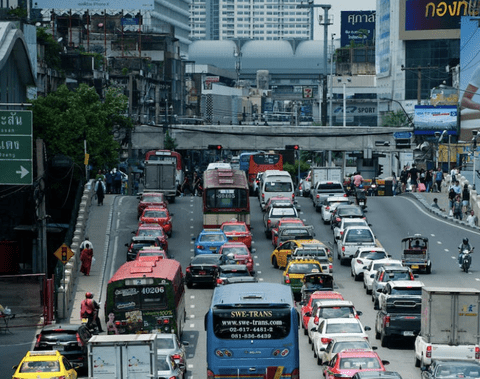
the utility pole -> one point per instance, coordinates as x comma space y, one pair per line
419, 79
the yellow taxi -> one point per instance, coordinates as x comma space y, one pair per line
295, 272
44, 365
281, 254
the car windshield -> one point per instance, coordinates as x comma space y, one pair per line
360, 363
344, 328
165, 343
234, 228
151, 254
311, 253
373, 255
162, 363
153, 199
283, 212
396, 275
344, 345
211, 238
457, 371
359, 235
155, 214
336, 312
151, 232
330, 186
233, 273
349, 224
303, 268
235, 250
40, 366
377, 266
278, 187
406, 291
206, 259
349, 211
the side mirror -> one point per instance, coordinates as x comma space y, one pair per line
359, 313
193, 238
367, 328
253, 251
126, 244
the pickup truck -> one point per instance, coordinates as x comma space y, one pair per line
324, 189
353, 239
399, 314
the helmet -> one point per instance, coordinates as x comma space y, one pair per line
89, 295
465, 241
360, 186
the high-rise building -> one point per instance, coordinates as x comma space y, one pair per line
249, 19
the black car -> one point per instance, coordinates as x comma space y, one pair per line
139, 242
69, 339
452, 369
228, 271
203, 269
346, 211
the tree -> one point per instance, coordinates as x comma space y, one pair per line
64, 119
395, 119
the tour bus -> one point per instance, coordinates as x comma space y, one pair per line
244, 160
261, 162
146, 297
168, 155
225, 197
252, 332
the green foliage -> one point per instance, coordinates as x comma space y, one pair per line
18, 12
395, 119
97, 58
52, 48
169, 143
292, 169
64, 119
125, 71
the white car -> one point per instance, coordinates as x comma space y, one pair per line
343, 343
337, 327
330, 308
347, 222
354, 238
363, 257
329, 204
371, 270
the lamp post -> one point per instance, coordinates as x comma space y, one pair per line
474, 147
344, 83
331, 83
438, 138
410, 121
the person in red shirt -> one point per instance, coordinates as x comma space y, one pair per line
89, 309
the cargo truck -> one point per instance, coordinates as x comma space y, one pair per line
160, 176
322, 174
126, 356
450, 327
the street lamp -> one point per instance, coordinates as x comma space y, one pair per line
344, 99
410, 121
474, 147
438, 139
331, 82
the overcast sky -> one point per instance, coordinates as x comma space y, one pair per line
337, 7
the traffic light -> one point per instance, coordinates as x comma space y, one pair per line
380, 170
215, 147
292, 147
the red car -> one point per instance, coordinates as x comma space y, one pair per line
156, 231
348, 362
314, 298
237, 231
277, 200
286, 221
237, 253
151, 199
147, 252
157, 215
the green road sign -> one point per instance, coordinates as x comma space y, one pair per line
16, 147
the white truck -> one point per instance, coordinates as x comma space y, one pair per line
322, 174
450, 325
160, 176
126, 356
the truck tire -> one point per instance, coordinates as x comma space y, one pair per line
384, 341
417, 362
377, 334
172, 199
189, 285
429, 269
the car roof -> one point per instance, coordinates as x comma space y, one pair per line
233, 223
334, 303
372, 249
333, 199
326, 295
212, 231
395, 268
156, 208
357, 352
233, 267
61, 327
342, 321
407, 283
44, 355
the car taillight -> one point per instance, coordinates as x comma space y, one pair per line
326, 341
300, 187
327, 208
263, 196
338, 219
287, 279
318, 196
330, 267
381, 277
386, 321
176, 356
37, 343
200, 247
343, 248
219, 281
79, 340
412, 277
269, 222
188, 270
477, 352
293, 196
341, 232
429, 351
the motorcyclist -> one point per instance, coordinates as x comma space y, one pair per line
463, 246
360, 195
89, 309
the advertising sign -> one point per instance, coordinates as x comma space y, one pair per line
429, 119
431, 19
353, 26
92, 4
382, 44
469, 78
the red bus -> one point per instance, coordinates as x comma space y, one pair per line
225, 197
167, 155
146, 297
262, 162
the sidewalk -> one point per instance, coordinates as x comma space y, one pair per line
98, 229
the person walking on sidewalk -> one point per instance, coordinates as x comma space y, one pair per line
404, 178
86, 258
100, 190
457, 208
465, 199
439, 179
84, 243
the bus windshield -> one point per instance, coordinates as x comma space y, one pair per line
247, 323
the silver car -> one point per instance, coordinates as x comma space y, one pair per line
168, 344
167, 368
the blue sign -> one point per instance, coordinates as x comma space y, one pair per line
130, 21
402, 135
351, 24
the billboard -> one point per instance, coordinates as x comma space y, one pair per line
353, 23
93, 4
431, 19
382, 40
429, 119
469, 78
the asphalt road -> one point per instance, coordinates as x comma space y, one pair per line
392, 219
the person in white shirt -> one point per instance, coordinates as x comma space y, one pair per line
472, 220
84, 243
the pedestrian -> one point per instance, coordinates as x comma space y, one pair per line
428, 180
109, 181
84, 243
404, 178
453, 175
100, 190
436, 206
186, 185
465, 199
100, 175
457, 208
413, 174
394, 184
451, 200
456, 187
472, 220
86, 258
439, 179
117, 181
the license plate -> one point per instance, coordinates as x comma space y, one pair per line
59, 347
202, 273
234, 238
414, 266
408, 334
213, 249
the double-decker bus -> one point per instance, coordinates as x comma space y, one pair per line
146, 297
262, 162
168, 155
252, 332
225, 197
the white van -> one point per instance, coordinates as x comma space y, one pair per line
275, 183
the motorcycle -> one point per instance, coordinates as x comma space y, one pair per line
361, 197
466, 259
90, 323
